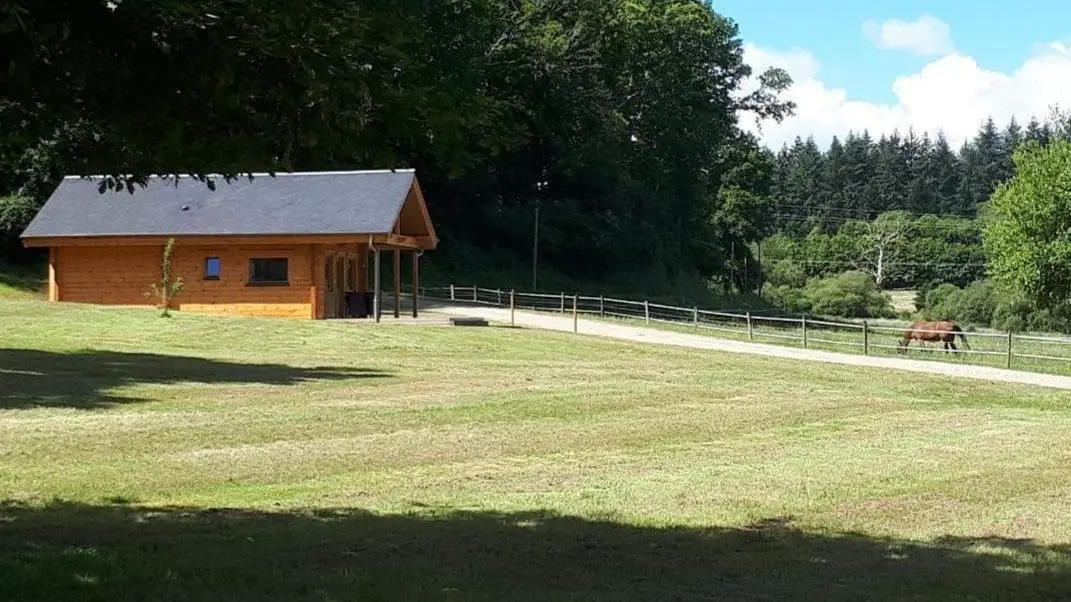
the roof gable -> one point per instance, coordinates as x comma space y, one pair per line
307, 203
413, 219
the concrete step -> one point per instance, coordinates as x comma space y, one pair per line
467, 321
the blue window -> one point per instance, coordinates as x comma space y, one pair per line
212, 266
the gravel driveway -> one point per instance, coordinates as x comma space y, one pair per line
663, 337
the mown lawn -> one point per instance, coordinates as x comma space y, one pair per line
22, 281
201, 458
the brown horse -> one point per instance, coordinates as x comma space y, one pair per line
944, 331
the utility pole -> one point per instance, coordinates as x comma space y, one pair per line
732, 266
535, 249
541, 188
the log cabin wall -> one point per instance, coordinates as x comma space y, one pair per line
121, 275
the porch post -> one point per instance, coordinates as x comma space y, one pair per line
53, 274
397, 283
416, 282
362, 268
377, 292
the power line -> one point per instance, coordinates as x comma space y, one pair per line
891, 263
855, 212
946, 227
851, 211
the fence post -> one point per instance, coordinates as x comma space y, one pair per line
1009, 349
452, 293
803, 322
750, 331
647, 312
512, 308
574, 315
474, 293
866, 338
695, 318
563, 302
499, 291
602, 306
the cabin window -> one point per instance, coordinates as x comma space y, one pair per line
212, 266
268, 271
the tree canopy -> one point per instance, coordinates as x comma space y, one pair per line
618, 119
859, 177
1028, 226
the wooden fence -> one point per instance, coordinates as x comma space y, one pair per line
1006, 349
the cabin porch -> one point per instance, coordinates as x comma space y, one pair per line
353, 280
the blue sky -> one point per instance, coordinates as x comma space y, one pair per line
998, 34
927, 65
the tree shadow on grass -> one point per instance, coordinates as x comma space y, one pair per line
68, 551
88, 379
27, 279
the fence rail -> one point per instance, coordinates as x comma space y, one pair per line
1013, 350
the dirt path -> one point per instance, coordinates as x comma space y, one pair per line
662, 337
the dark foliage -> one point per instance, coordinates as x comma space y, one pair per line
618, 120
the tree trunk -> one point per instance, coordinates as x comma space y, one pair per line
879, 274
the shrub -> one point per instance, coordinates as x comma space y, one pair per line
1054, 319
941, 302
1011, 315
16, 212
849, 295
922, 294
786, 297
982, 304
1020, 315
787, 273
977, 304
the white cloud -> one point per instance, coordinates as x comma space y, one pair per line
925, 36
952, 94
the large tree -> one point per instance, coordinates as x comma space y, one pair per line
1028, 230
618, 120
195, 85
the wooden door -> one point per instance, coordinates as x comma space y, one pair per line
340, 285
331, 292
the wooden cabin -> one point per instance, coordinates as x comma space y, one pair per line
295, 245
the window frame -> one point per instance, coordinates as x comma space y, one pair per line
219, 268
252, 281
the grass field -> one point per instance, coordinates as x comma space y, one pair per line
144, 458
903, 301
22, 282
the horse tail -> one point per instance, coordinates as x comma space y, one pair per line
963, 337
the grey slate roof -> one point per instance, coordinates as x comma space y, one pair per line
358, 202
